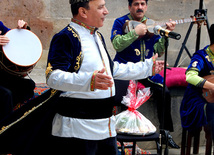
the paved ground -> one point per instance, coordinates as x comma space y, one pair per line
177, 151
38, 75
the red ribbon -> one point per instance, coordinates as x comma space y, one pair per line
131, 109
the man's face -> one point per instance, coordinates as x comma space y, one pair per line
97, 13
138, 9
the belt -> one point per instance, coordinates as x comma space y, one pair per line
85, 108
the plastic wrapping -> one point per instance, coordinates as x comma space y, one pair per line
131, 121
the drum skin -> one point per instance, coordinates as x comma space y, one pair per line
22, 53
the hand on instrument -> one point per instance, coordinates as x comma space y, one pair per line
141, 29
170, 25
22, 24
159, 64
3, 39
103, 81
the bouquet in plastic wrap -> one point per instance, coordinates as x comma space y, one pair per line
131, 121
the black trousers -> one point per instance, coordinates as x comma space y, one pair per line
157, 93
13, 90
84, 147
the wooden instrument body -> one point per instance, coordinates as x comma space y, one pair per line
208, 94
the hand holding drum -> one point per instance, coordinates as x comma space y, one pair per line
22, 48
4, 39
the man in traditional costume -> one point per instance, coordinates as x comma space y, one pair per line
79, 66
139, 45
195, 110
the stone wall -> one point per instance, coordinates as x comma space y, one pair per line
46, 17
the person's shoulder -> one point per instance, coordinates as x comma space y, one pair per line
201, 52
1, 24
67, 34
123, 18
67, 31
204, 50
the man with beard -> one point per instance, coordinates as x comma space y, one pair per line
139, 45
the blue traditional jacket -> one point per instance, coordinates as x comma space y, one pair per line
193, 104
139, 50
66, 47
3, 28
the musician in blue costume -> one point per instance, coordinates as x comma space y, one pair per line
13, 89
195, 111
139, 45
80, 67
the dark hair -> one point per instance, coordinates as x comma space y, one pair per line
211, 34
131, 1
75, 7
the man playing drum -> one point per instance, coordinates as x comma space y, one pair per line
13, 89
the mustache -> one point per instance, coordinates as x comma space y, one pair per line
140, 10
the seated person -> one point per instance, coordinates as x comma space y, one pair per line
13, 89
195, 111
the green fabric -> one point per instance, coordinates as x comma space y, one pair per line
159, 47
211, 55
193, 78
121, 42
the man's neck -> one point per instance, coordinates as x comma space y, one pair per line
139, 20
212, 48
79, 22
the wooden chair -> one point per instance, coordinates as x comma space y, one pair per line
121, 90
134, 139
187, 137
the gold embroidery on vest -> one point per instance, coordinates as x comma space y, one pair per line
194, 64
53, 92
115, 32
208, 58
100, 38
79, 61
48, 70
147, 52
74, 33
137, 52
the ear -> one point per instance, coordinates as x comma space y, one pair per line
129, 7
83, 12
146, 8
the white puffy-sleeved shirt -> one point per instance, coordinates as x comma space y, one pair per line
77, 85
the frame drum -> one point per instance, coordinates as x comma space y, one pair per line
22, 52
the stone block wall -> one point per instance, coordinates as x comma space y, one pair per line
46, 17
